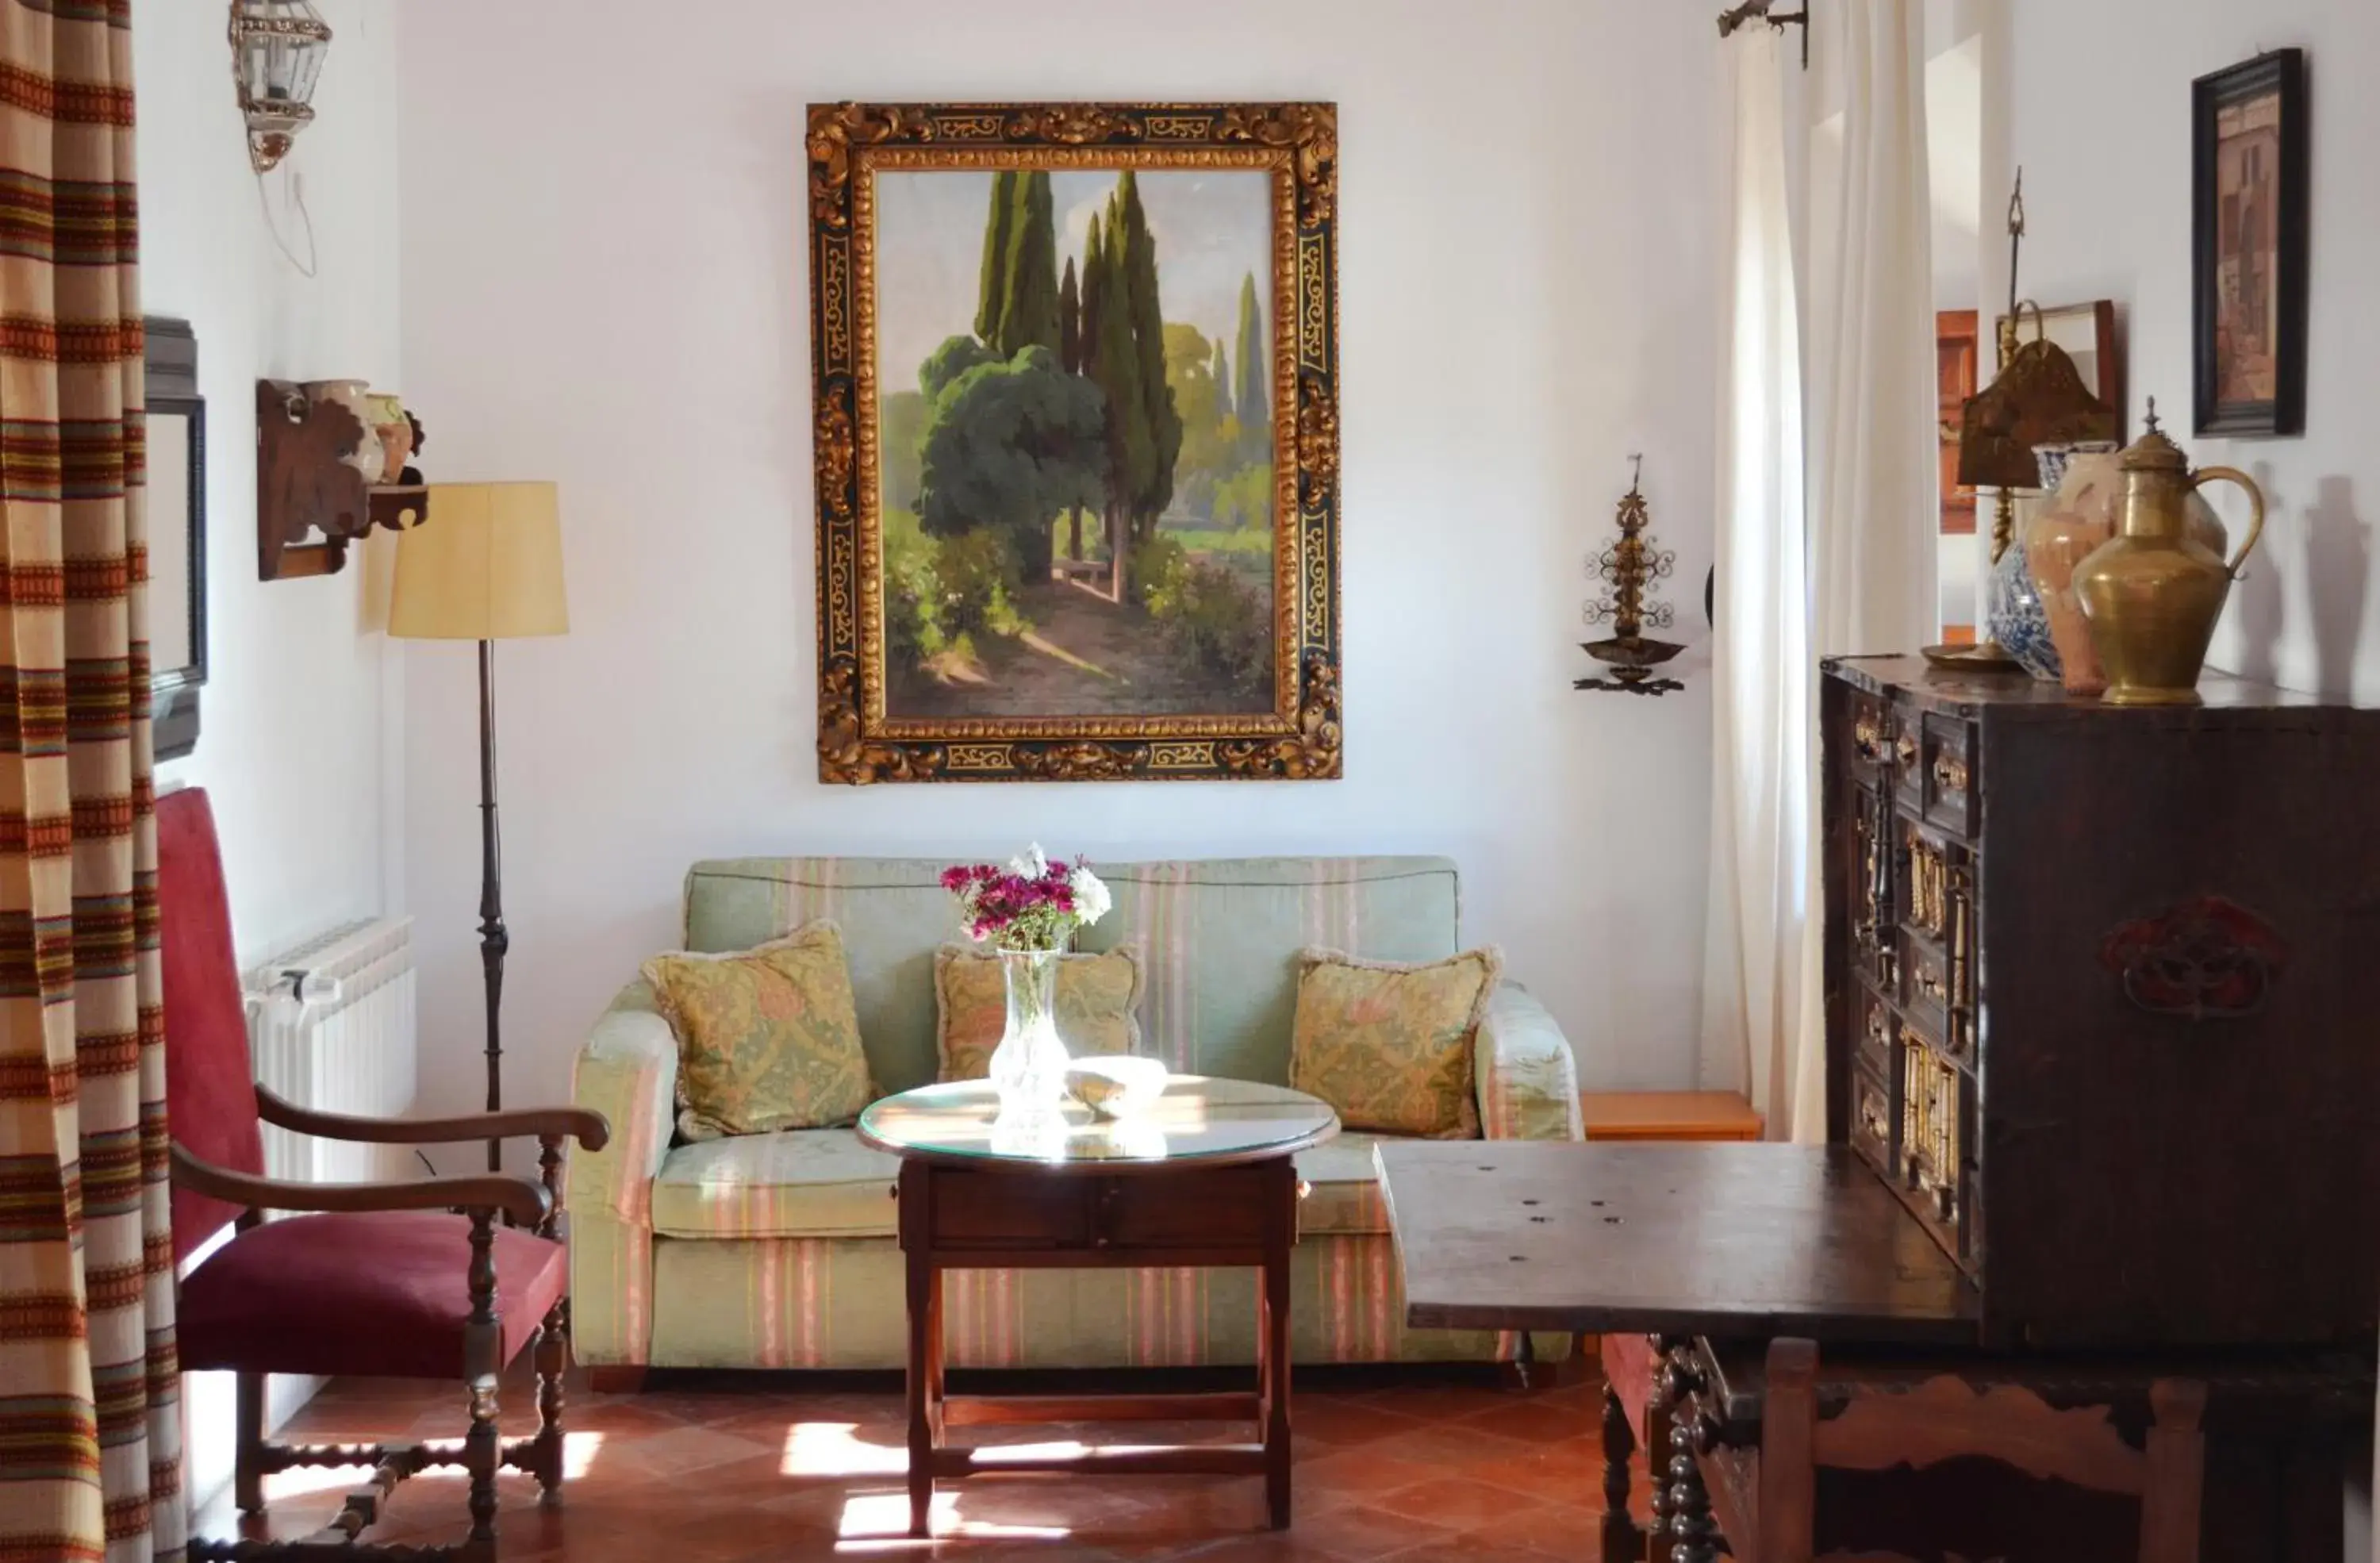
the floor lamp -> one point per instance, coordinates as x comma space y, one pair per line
485, 565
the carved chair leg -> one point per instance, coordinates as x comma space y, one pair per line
247, 1450
553, 1361
483, 1361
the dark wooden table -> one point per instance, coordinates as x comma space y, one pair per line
1203, 1178
1741, 1244
1680, 1239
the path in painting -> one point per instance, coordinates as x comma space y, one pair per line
1084, 655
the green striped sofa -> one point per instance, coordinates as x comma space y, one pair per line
777, 1251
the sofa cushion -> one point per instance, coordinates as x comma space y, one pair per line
1391, 1046
795, 1183
1218, 940
824, 1182
768, 1037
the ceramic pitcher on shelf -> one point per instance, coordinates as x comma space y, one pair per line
2153, 592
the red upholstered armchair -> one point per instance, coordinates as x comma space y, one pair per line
412, 1279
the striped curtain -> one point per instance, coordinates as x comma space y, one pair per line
89, 1419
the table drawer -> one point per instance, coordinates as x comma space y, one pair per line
1010, 1210
1222, 1209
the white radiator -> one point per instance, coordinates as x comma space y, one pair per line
331, 1027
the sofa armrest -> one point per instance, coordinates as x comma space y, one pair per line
1527, 1079
627, 1071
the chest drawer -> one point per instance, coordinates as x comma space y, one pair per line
992, 1212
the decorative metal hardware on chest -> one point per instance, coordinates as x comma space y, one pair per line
2206, 959
1628, 568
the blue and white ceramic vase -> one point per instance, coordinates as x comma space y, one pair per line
2015, 617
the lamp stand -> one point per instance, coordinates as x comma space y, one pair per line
493, 940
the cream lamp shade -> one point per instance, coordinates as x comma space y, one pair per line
485, 564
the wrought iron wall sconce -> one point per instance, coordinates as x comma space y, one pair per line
1627, 568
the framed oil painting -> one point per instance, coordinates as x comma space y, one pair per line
2251, 192
1075, 382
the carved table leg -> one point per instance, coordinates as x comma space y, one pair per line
1657, 1433
1690, 1521
1693, 1535
1622, 1543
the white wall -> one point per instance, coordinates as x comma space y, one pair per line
2101, 118
605, 285
301, 713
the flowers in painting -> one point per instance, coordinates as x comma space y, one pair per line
1031, 904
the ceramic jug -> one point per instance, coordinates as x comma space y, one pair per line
2153, 592
2077, 521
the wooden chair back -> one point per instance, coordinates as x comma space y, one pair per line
209, 1083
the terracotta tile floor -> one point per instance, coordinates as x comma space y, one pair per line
1411, 1464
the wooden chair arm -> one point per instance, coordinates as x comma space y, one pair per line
588, 1128
525, 1201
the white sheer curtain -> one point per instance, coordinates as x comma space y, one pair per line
1839, 558
1760, 633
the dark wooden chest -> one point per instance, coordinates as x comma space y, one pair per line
2103, 997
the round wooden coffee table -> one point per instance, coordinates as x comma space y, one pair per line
1200, 1179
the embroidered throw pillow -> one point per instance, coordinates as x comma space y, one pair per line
1099, 1000
1390, 1046
768, 1039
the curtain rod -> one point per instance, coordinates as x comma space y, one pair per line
1758, 10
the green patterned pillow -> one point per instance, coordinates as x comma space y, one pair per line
768, 1039
1099, 1001
1390, 1046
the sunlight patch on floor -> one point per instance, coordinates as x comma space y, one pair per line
835, 1449
879, 1522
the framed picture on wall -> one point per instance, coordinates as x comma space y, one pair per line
1075, 398
2251, 195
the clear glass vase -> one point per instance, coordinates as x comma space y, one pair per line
1028, 1067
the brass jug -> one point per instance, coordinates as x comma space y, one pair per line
2152, 592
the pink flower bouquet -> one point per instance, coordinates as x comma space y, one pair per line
1033, 905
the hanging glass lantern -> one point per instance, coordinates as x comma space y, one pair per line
276, 52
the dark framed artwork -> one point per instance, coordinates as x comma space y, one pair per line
2251, 193
1075, 425
176, 471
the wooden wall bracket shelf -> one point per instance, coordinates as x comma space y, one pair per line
306, 490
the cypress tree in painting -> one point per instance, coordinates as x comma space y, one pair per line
992, 287
1070, 358
1153, 485
1070, 322
1222, 382
1131, 450
1249, 396
1028, 313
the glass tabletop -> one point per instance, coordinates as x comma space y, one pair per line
1196, 1120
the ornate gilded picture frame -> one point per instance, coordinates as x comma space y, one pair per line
1074, 395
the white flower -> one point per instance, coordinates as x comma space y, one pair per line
1091, 898
1032, 865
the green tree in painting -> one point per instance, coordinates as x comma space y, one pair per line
1070, 322
992, 288
1248, 398
1186, 370
952, 358
1114, 361
1222, 373
1070, 358
1026, 312
905, 430
1010, 445
1154, 492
